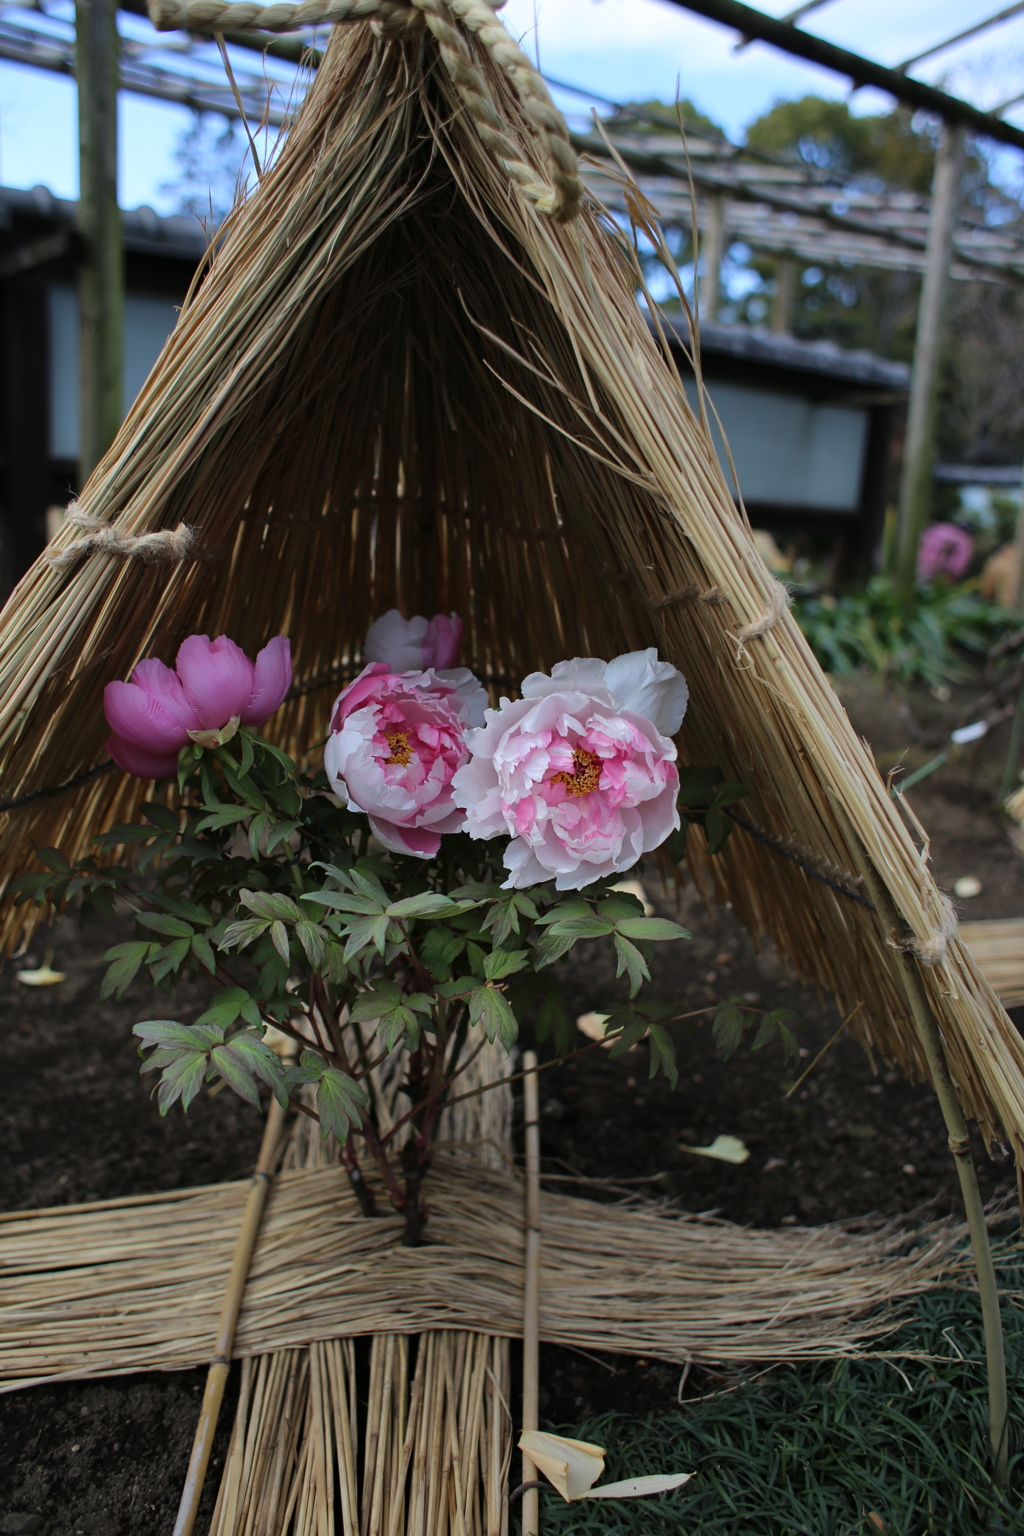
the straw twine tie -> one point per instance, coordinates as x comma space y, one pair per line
559, 196
103, 538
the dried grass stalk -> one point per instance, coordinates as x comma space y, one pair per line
320, 1490
136, 1284
399, 384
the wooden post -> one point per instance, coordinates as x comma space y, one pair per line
101, 280
1017, 590
916, 479
785, 290
531, 1298
712, 250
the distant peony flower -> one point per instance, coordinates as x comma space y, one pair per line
944, 550
579, 770
412, 645
213, 689
395, 745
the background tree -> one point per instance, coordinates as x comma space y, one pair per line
210, 168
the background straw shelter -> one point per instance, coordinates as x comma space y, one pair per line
401, 381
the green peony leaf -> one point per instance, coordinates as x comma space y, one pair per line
490, 1008
659, 929
630, 959
504, 962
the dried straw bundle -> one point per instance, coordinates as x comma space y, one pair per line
136, 1284
400, 383
436, 1447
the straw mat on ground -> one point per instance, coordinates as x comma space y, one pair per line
136, 1284
425, 1443
401, 383
998, 947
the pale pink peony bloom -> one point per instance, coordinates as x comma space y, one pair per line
579, 770
412, 645
214, 688
395, 745
944, 550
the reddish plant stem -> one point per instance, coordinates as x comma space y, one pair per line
447, 1083
360, 1188
421, 975
367, 1127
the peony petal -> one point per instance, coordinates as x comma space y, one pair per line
642, 685
410, 840
144, 765
445, 636
165, 684
584, 674
142, 719
272, 677
217, 677
365, 686
469, 690
402, 644
573, 1466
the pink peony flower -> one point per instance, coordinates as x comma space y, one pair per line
395, 745
579, 770
213, 690
944, 550
411, 645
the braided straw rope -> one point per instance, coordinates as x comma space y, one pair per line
163, 544
559, 197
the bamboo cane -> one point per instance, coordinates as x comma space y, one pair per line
960, 1146
220, 1365
531, 1289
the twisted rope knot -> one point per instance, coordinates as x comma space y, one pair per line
559, 195
778, 605
103, 538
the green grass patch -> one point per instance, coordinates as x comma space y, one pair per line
818, 1448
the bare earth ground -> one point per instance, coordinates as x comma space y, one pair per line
76, 1123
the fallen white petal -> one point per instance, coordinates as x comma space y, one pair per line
728, 1149
572, 1466
43, 977
634, 888
640, 1487
592, 1025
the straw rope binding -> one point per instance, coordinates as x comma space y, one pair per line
103, 538
560, 196
778, 605
931, 950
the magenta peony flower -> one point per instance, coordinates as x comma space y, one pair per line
579, 770
412, 645
395, 745
213, 690
944, 550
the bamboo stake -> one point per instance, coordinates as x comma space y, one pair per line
217, 1376
101, 278
915, 484
960, 1146
531, 1289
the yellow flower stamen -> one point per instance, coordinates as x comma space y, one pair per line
401, 752
586, 772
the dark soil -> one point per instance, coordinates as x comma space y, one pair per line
77, 1123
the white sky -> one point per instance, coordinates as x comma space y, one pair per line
622, 49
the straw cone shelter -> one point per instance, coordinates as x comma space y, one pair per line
414, 373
